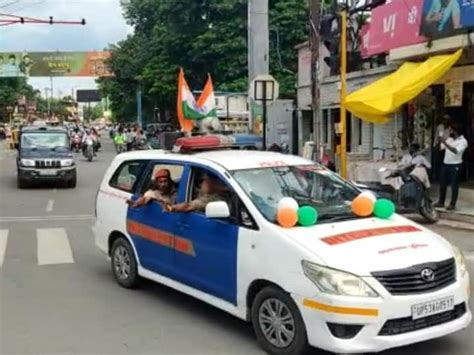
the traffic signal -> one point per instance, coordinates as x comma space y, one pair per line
330, 35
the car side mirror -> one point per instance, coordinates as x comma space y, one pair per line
218, 209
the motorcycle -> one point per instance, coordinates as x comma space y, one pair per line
412, 195
76, 143
89, 149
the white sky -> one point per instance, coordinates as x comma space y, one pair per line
105, 25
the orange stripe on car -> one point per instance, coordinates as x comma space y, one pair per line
367, 233
369, 312
160, 237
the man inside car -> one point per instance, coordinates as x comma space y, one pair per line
162, 191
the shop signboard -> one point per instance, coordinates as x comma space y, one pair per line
453, 93
393, 25
44, 64
443, 18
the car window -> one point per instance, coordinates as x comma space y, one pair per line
176, 172
127, 175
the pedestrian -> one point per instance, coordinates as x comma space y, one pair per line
454, 147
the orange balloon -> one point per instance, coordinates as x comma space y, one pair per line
362, 206
287, 217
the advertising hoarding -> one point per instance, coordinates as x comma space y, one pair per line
44, 64
443, 18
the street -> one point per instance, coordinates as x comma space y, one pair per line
59, 295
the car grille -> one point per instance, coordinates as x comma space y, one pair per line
47, 164
406, 325
411, 281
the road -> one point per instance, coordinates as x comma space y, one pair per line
62, 298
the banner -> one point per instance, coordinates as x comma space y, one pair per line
443, 18
35, 64
453, 93
393, 25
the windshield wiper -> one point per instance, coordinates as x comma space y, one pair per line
336, 217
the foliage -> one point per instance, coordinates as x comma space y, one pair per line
202, 36
11, 89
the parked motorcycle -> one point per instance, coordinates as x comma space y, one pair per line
411, 197
89, 149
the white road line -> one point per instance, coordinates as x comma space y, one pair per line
46, 218
49, 206
53, 246
3, 244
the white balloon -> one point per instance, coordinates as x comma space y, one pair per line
288, 202
369, 195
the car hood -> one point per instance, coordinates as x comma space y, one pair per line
362, 246
45, 154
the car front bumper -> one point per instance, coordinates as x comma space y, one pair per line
33, 174
369, 315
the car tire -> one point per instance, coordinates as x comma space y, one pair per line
291, 328
73, 182
124, 264
21, 183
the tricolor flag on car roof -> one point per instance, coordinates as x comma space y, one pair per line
188, 109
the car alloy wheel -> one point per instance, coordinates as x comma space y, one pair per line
122, 263
276, 323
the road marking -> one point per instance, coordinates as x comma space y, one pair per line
53, 246
49, 206
46, 218
3, 244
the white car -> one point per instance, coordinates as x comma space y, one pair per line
346, 284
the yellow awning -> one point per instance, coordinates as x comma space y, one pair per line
375, 102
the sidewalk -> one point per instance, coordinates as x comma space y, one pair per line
464, 208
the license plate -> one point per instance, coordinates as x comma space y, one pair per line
47, 172
430, 308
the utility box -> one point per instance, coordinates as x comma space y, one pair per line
281, 124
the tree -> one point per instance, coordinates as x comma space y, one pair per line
11, 89
202, 36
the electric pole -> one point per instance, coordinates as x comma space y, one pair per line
314, 40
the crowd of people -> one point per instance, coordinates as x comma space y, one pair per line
128, 137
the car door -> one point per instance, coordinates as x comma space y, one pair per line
206, 249
151, 228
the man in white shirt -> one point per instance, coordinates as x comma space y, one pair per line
454, 148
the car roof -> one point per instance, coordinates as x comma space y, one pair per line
228, 159
43, 129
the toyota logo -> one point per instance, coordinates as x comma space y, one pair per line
427, 275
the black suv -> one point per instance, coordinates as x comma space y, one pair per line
44, 154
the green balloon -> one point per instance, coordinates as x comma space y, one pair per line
384, 208
307, 216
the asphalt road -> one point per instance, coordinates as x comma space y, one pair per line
71, 304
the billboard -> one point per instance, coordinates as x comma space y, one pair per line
34, 64
442, 18
393, 25
88, 96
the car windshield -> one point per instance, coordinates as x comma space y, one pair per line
44, 140
309, 185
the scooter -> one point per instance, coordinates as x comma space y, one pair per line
89, 149
411, 197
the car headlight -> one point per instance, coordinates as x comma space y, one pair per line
67, 162
27, 162
460, 261
337, 282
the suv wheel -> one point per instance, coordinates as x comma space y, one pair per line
124, 264
73, 182
277, 323
21, 183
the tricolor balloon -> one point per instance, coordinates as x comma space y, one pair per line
289, 213
384, 208
362, 206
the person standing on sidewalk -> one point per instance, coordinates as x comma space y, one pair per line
454, 147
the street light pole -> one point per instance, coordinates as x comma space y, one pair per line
343, 118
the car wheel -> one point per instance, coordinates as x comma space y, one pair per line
21, 183
277, 323
73, 182
124, 264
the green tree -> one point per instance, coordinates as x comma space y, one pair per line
11, 89
202, 36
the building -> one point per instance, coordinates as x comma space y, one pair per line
394, 30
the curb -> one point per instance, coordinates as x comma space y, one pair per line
455, 224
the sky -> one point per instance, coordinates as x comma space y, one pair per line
105, 25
